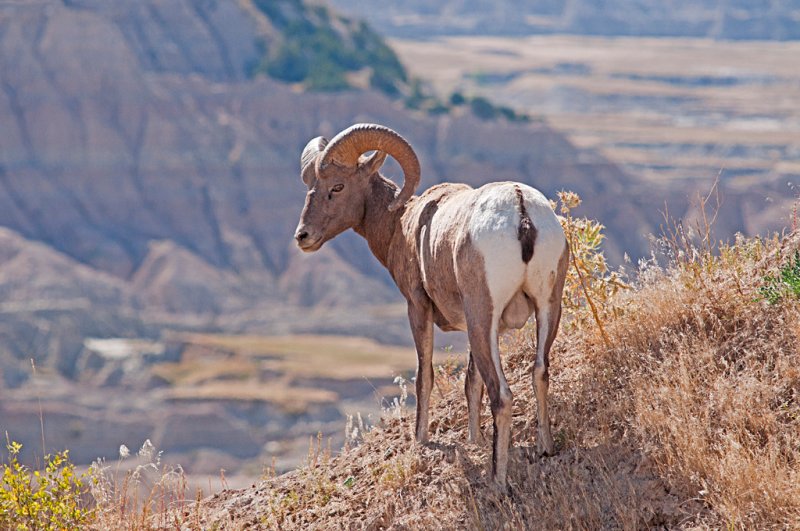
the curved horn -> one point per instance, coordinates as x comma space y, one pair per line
308, 166
347, 146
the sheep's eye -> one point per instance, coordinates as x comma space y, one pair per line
337, 188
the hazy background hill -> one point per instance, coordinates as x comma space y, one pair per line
137, 143
149, 191
718, 19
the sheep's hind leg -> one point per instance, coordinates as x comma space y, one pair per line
482, 334
546, 327
473, 388
548, 316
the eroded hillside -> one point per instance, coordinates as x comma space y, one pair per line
135, 145
149, 184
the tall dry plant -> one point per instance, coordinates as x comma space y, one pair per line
590, 285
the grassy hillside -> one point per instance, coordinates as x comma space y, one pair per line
684, 414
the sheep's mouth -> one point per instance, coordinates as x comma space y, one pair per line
310, 246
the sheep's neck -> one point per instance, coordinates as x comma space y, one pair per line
379, 226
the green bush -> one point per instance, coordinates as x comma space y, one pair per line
482, 108
456, 99
289, 64
386, 83
46, 500
318, 49
486, 110
326, 78
784, 284
512, 116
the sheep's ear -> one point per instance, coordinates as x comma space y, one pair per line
308, 160
369, 164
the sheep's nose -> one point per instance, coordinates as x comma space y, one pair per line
301, 235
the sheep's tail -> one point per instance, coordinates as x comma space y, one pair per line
526, 234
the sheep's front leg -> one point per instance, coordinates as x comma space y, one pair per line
420, 315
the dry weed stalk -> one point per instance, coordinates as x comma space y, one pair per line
149, 496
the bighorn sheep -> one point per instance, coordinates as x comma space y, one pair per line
476, 260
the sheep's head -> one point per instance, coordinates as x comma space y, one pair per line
337, 176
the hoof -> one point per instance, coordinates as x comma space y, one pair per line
544, 450
480, 440
502, 488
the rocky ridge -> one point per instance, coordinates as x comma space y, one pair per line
716, 19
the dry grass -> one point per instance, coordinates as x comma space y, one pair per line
142, 494
705, 376
689, 418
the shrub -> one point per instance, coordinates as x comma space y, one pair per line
288, 64
456, 99
384, 81
512, 116
417, 95
590, 287
318, 48
50, 499
485, 110
482, 108
784, 284
325, 77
